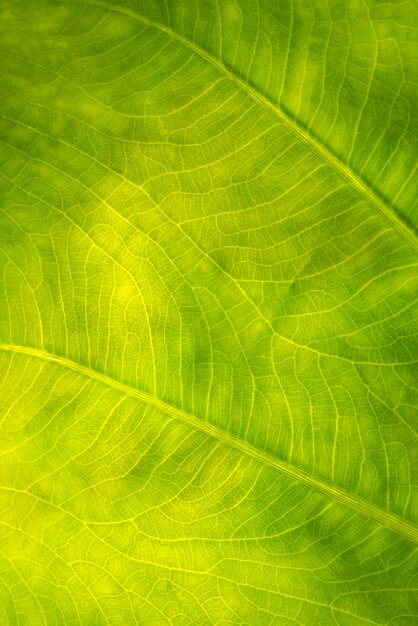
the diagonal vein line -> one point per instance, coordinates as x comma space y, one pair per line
358, 504
308, 138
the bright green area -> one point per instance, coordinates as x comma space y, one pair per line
208, 313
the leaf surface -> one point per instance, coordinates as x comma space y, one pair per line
208, 321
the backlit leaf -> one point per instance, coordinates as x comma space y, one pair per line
208, 320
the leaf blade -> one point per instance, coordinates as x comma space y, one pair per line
168, 235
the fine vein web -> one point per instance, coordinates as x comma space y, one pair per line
373, 512
389, 213
244, 293
208, 329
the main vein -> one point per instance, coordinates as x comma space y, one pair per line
358, 504
291, 123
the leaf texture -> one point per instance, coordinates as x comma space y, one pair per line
208, 321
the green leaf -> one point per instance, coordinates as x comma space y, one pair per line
208, 318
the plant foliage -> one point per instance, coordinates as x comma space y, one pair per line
208, 319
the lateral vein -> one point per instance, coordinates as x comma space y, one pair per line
344, 170
384, 518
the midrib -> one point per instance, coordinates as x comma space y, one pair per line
389, 214
373, 512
